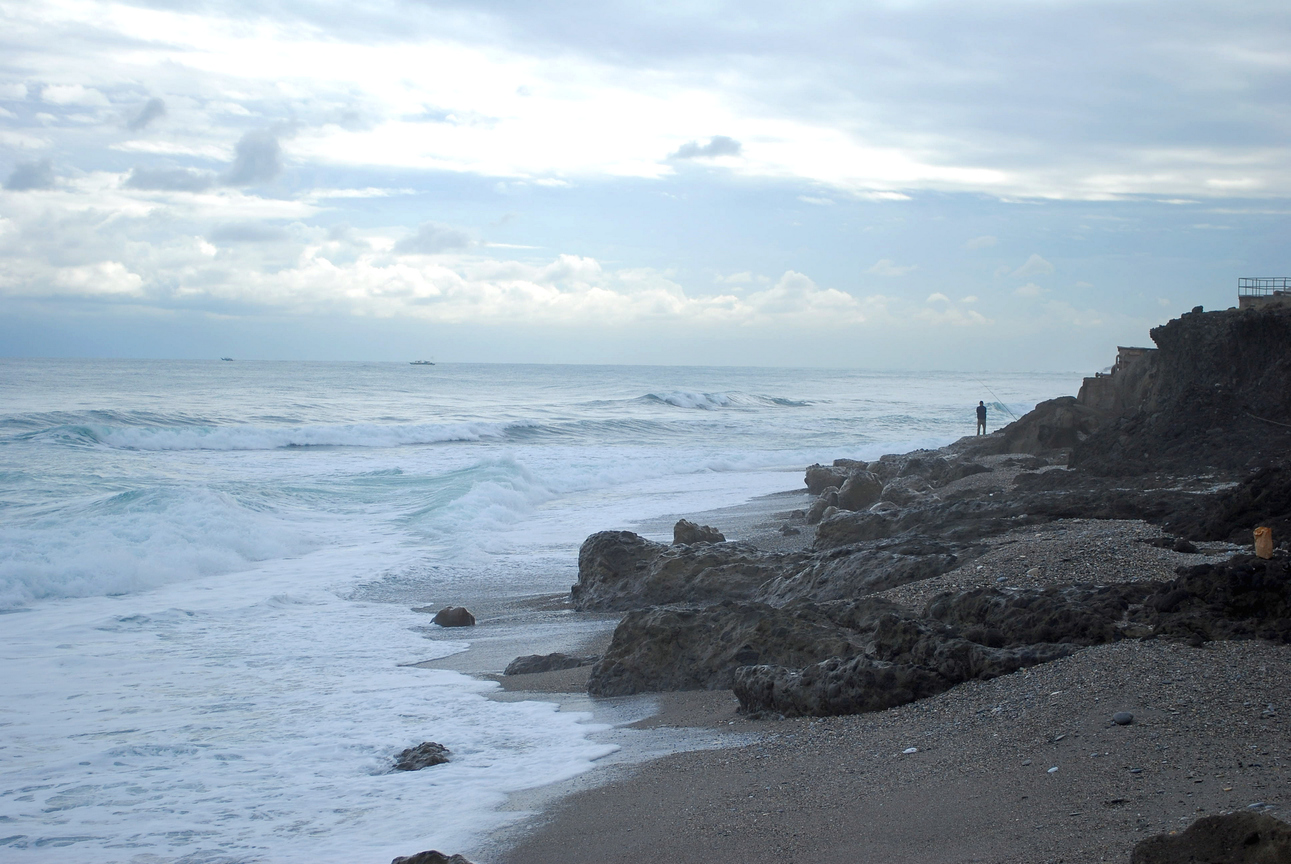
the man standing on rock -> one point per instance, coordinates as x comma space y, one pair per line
981, 418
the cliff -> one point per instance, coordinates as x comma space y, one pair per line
1216, 394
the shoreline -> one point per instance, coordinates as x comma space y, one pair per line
843, 789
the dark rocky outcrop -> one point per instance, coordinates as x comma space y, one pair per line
1216, 394
430, 857
424, 755
1235, 838
454, 616
531, 664
686, 531
618, 570
668, 648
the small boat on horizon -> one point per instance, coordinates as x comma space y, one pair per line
230, 359
422, 363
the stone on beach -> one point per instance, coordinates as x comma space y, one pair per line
424, 755
859, 491
454, 616
530, 664
1122, 718
431, 856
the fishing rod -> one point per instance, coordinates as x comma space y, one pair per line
997, 399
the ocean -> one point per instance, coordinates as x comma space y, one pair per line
208, 572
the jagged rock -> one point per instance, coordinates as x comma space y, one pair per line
854, 572
913, 659
819, 478
1240, 598
1078, 615
686, 531
424, 755
1235, 838
828, 498
618, 570
454, 616
530, 664
430, 857
789, 531
700, 648
845, 527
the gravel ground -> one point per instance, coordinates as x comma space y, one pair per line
1066, 552
1210, 734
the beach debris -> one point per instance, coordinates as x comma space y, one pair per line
686, 531
1034, 573
907, 751
1053, 770
1122, 718
788, 530
1264, 542
454, 616
424, 755
431, 856
530, 664
1234, 838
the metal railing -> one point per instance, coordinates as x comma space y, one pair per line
1262, 286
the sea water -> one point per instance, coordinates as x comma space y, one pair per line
208, 569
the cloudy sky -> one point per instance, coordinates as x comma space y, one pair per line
903, 184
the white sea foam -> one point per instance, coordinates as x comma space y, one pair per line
248, 437
250, 724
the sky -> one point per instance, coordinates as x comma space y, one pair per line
908, 184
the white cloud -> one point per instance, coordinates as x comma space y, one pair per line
937, 297
13, 91
981, 242
73, 94
1034, 266
888, 267
1029, 290
819, 202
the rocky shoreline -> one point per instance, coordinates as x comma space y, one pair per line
942, 616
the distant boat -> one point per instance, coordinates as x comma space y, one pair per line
230, 359
422, 363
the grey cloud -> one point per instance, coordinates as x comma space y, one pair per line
247, 232
718, 145
31, 175
170, 179
258, 159
153, 109
431, 239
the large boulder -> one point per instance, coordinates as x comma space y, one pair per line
686, 531
845, 528
859, 491
692, 648
1235, 838
454, 616
618, 570
820, 477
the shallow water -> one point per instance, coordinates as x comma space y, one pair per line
210, 567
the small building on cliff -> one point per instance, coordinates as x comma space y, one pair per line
1258, 292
